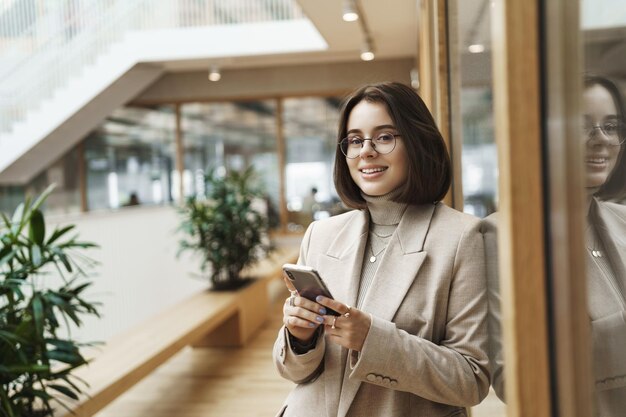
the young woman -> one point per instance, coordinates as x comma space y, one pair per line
603, 132
406, 272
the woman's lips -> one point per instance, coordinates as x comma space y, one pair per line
598, 162
371, 173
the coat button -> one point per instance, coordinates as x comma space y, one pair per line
393, 383
379, 379
371, 377
386, 381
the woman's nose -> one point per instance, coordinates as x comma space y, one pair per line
368, 150
597, 136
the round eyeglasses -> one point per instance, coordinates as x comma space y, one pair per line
383, 143
614, 131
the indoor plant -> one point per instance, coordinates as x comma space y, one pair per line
37, 353
224, 226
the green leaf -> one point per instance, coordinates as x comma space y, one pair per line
38, 315
37, 228
42, 197
18, 214
65, 357
35, 255
68, 392
8, 257
60, 232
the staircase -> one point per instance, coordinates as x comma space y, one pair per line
64, 69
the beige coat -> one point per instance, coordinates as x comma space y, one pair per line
607, 308
425, 354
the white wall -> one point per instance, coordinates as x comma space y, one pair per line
139, 273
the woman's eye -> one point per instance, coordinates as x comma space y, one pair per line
384, 138
355, 140
610, 127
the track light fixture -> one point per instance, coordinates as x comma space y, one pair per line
367, 52
215, 74
350, 13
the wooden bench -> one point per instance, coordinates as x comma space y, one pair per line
205, 319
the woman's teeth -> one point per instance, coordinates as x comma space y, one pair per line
372, 170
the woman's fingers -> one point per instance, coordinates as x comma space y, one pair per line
339, 307
307, 313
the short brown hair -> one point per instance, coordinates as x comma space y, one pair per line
429, 165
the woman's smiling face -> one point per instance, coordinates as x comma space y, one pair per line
373, 173
599, 108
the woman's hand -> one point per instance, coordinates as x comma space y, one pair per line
348, 330
302, 317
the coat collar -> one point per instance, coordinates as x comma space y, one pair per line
397, 271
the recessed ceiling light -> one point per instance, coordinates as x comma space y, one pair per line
215, 74
476, 48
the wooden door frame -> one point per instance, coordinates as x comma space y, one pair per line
571, 338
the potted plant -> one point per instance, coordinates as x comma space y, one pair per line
37, 353
225, 227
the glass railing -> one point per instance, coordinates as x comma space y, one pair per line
44, 44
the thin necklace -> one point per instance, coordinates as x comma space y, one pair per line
596, 253
374, 256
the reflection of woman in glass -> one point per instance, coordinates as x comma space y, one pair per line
606, 243
414, 344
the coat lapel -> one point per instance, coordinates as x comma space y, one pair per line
612, 232
340, 268
397, 271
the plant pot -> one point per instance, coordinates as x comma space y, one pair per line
228, 279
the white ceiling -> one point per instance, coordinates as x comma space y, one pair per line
392, 23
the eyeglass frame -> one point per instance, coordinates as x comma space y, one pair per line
621, 138
345, 153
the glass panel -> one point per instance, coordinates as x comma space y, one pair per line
471, 99
310, 127
10, 198
474, 80
604, 26
64, 199
130, 158
231, 136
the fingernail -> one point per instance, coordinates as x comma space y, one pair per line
318, 298
322, 311
320, 319
311, 324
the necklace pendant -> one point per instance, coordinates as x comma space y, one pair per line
372, 259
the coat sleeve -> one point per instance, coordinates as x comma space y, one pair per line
453, 372
299, 368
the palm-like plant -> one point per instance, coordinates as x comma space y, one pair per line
225, 228
37, 356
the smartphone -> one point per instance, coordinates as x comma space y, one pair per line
308, 283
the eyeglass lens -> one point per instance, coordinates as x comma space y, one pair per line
352, 145
612, 130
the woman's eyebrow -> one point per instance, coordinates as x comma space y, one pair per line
381, 127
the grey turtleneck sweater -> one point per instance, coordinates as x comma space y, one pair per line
385, 216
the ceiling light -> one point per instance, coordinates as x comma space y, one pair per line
350, 13
215, 74
415, 79
367, 53
476, 48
